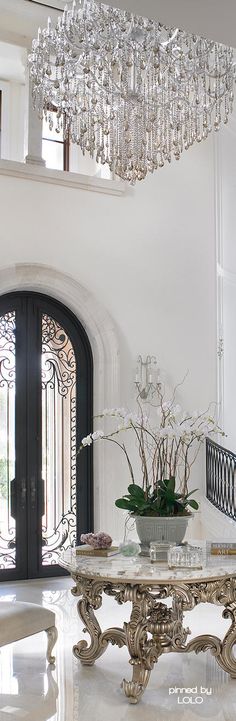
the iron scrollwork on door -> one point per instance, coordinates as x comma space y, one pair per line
58, 440
7, 440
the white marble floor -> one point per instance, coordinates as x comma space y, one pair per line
30, 692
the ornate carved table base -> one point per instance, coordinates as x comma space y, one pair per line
154, 628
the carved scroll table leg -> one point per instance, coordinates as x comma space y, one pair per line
134, 689
136, 636
149, 633
99, 640
227, 658
221, 592
144, 650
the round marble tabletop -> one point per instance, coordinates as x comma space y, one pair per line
141, 570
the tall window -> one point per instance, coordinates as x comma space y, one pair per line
60, 154
55, 150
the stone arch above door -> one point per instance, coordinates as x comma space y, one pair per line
102, 336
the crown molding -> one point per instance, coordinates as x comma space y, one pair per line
50, 4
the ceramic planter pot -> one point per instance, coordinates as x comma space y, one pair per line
170, 529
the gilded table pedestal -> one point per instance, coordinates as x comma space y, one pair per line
153, 628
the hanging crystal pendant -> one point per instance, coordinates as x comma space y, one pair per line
129, 91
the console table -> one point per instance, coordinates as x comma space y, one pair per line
153, 628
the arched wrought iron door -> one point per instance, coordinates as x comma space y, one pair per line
45, 410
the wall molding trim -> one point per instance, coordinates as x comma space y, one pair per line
105, 349
228, 275
218, 275
5, 113
41, 174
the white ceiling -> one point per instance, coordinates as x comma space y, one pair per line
19, 19
214, 19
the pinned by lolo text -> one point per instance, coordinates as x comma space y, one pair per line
191, 696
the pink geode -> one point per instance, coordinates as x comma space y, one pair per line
96, 540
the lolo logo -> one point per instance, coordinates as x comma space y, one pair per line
190, 695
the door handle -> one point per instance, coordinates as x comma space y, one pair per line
33, 494
42, 498
22, 496
13, 498
23, 491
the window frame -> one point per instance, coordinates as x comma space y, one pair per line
64, 143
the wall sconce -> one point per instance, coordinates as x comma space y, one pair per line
146, 376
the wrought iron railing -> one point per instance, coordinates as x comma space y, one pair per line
221, 478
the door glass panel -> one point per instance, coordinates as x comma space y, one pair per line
58, 440
7, 441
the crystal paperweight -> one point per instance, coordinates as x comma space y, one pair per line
185, 556
129, 549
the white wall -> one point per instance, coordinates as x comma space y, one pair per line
148, 257
13, 120
227, 277
13, 61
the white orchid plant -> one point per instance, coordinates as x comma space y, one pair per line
167, 441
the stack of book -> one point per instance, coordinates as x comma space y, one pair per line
223, 549
87, 550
